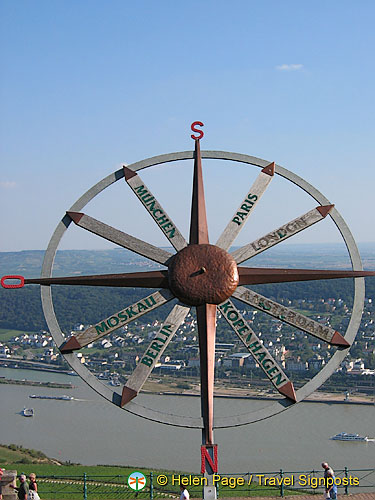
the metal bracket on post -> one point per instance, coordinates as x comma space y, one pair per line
209, 493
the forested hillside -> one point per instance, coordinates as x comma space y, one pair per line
21, 308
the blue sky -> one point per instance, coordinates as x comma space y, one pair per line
88, 85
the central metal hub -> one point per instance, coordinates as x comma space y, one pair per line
203, 274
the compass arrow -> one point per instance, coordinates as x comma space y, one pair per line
117, 320
259, 275
152, 354
123, 239
198, 218
206, 314
206, 320
290, 317
282, 233
154, 208
148, 279
246, 208
255, 347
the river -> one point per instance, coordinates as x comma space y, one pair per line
92, 431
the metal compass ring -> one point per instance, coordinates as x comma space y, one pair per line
186, 421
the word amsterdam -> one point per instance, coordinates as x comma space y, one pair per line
288, 315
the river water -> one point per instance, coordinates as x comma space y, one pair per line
92, 431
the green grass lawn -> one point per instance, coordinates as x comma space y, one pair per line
69, 481
6, 334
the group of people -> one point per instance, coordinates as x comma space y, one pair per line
25, 491
29, 491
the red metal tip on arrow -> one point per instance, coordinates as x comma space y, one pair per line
75, 216
127, 395
70, 345
269, 169
325, 209
288, 391
13, 277
128, 173
339, 340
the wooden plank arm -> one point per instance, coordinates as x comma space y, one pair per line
287, 315
154, 208
153, 353
121, 318
120, 238
281, 234
246, 208
255, 347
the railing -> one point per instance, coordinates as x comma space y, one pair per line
164, 486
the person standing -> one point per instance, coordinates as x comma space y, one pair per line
32, 482
23, 489
329, 481
33, 487
184, 493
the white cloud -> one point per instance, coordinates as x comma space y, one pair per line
7, 184
289, 67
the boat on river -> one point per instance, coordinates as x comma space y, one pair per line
59, 398
344, 436
28, 412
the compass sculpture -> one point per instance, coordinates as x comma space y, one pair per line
205, 276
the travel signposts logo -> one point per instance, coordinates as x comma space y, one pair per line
136, 481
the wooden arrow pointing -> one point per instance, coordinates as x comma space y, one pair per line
155, 209
152, 354
281, 234
123, 239
246, 208
121, 318
148, 279
255, 347
290, 317
259, 275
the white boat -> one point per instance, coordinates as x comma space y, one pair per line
344, 436
60, 398
28, 412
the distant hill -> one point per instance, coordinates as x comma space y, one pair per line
73, 262
28, 263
